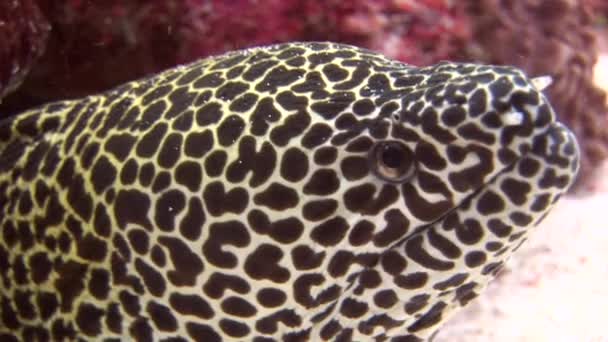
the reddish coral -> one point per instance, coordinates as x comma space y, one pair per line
599, 10
418, 32
95, 46
23, 34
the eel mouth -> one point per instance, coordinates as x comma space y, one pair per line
556, 149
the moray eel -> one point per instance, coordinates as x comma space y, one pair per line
303, 191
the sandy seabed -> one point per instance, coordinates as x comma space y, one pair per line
555, 288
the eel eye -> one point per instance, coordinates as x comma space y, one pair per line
392, 161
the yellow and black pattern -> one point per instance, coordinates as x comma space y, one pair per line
303, 191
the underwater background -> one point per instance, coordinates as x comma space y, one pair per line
52, 50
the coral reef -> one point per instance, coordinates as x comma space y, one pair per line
94, 46
599, 10
417, 32
560, 43
23, 34
126, 39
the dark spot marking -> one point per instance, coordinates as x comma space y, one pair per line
79, 198
302, 289
192, 224
210, 113
427, 155
225, 233
243, 103
263, 263
277, 197
189, 174
292, 127
475, 258
202, 332
325, 155
230, 130
330, 232
168, 206
520, 219
541, 202
237, 306
453, 116
334, 73
92, 248
362, 233
264, 113
269, 324
294, 165
473, 132
340, 263
69, 282
234, 328
304, 258
385, 298
271, 297
99, 284
150, 142
218, 202
318, 134
191, 305
88, 319
170, 150
453, 281
443, 244
354, 168
132, 206
258, 69
420, 208
517, 191
416, 252
490, 203
162, 317
215, 163
152, 279
120, 145
353, 309
218, 283
397, 226
429, 319
499, 228
261, 164
322, 182
319, 209
412, 281
363, 198
40, 266
469, 232
289, 101
336, 104
230, 90
363, 107
277, 77
187, 264
103, 174
198, 143
477, 103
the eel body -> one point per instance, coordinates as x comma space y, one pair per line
302, 191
